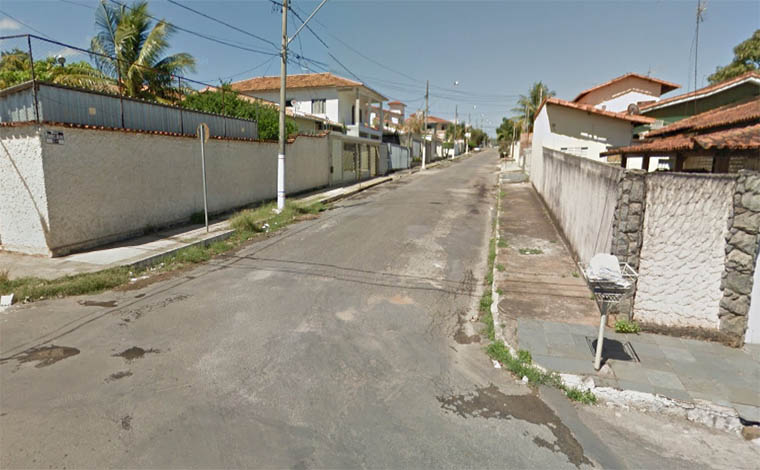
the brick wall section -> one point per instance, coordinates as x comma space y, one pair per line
741, 252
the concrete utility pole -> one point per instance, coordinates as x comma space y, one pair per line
456, 118
283, 82
427, 89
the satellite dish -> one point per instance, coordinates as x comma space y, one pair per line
633, 108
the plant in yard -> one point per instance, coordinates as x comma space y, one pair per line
625, 326
140, 68
15, 68
527, 105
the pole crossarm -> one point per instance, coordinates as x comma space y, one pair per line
307, 20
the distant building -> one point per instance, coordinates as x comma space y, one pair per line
326, 95
722, 140
620, 93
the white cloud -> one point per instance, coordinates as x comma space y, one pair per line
7, 24
65, 52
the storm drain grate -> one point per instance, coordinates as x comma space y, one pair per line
614, 349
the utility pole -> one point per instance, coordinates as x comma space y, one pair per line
700, 9
456, 118
283, 82
427, 89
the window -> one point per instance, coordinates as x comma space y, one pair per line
318, 106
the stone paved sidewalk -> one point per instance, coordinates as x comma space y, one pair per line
546, 308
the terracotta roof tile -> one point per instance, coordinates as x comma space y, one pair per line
718, 117
702, 91
741, 138
592, 109
666, 86
308, 80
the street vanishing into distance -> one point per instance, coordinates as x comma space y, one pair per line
347, 340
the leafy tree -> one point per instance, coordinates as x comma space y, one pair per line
414, 124
508, 130
139, 45
746, 58
15, 68
450, 131
527, 105
477, 138
231, 104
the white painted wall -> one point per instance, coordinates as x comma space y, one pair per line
24, 221
303, 97
620, 103
683, 252
582, 195
753, 323
100, 186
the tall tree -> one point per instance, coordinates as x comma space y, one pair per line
527, 105
139, 45
15, 68
746, 58
508, 129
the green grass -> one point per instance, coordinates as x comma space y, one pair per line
522, 366
247, 224
575, 274
625, 326
500, 267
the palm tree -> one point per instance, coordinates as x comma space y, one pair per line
528, 104
138, 44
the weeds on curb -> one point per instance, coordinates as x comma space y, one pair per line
500, 268
531, 251
246, 223
503, 243
522, 366
625, 326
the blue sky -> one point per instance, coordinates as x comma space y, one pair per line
495, 50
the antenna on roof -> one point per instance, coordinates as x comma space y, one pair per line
701, 7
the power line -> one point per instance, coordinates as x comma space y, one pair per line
222, 23
24, 24
201, 35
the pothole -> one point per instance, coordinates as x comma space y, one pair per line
95, 303
135, 352
46, 355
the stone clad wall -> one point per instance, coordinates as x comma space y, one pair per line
629, 218
683, 250
741, 254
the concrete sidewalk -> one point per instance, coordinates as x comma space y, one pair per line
546, 308
143, 250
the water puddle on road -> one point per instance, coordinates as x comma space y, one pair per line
45, 355
135, 352
490, 403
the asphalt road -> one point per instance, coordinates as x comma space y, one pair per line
344, 341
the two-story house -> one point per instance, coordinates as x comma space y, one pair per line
335, 98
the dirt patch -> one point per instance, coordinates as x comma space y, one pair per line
118, 375
46, 355
135, 352
461, 336
692, 332
95, 303
400, 299
490, 403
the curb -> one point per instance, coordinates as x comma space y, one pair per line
699, 411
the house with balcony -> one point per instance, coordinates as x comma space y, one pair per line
334, 98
